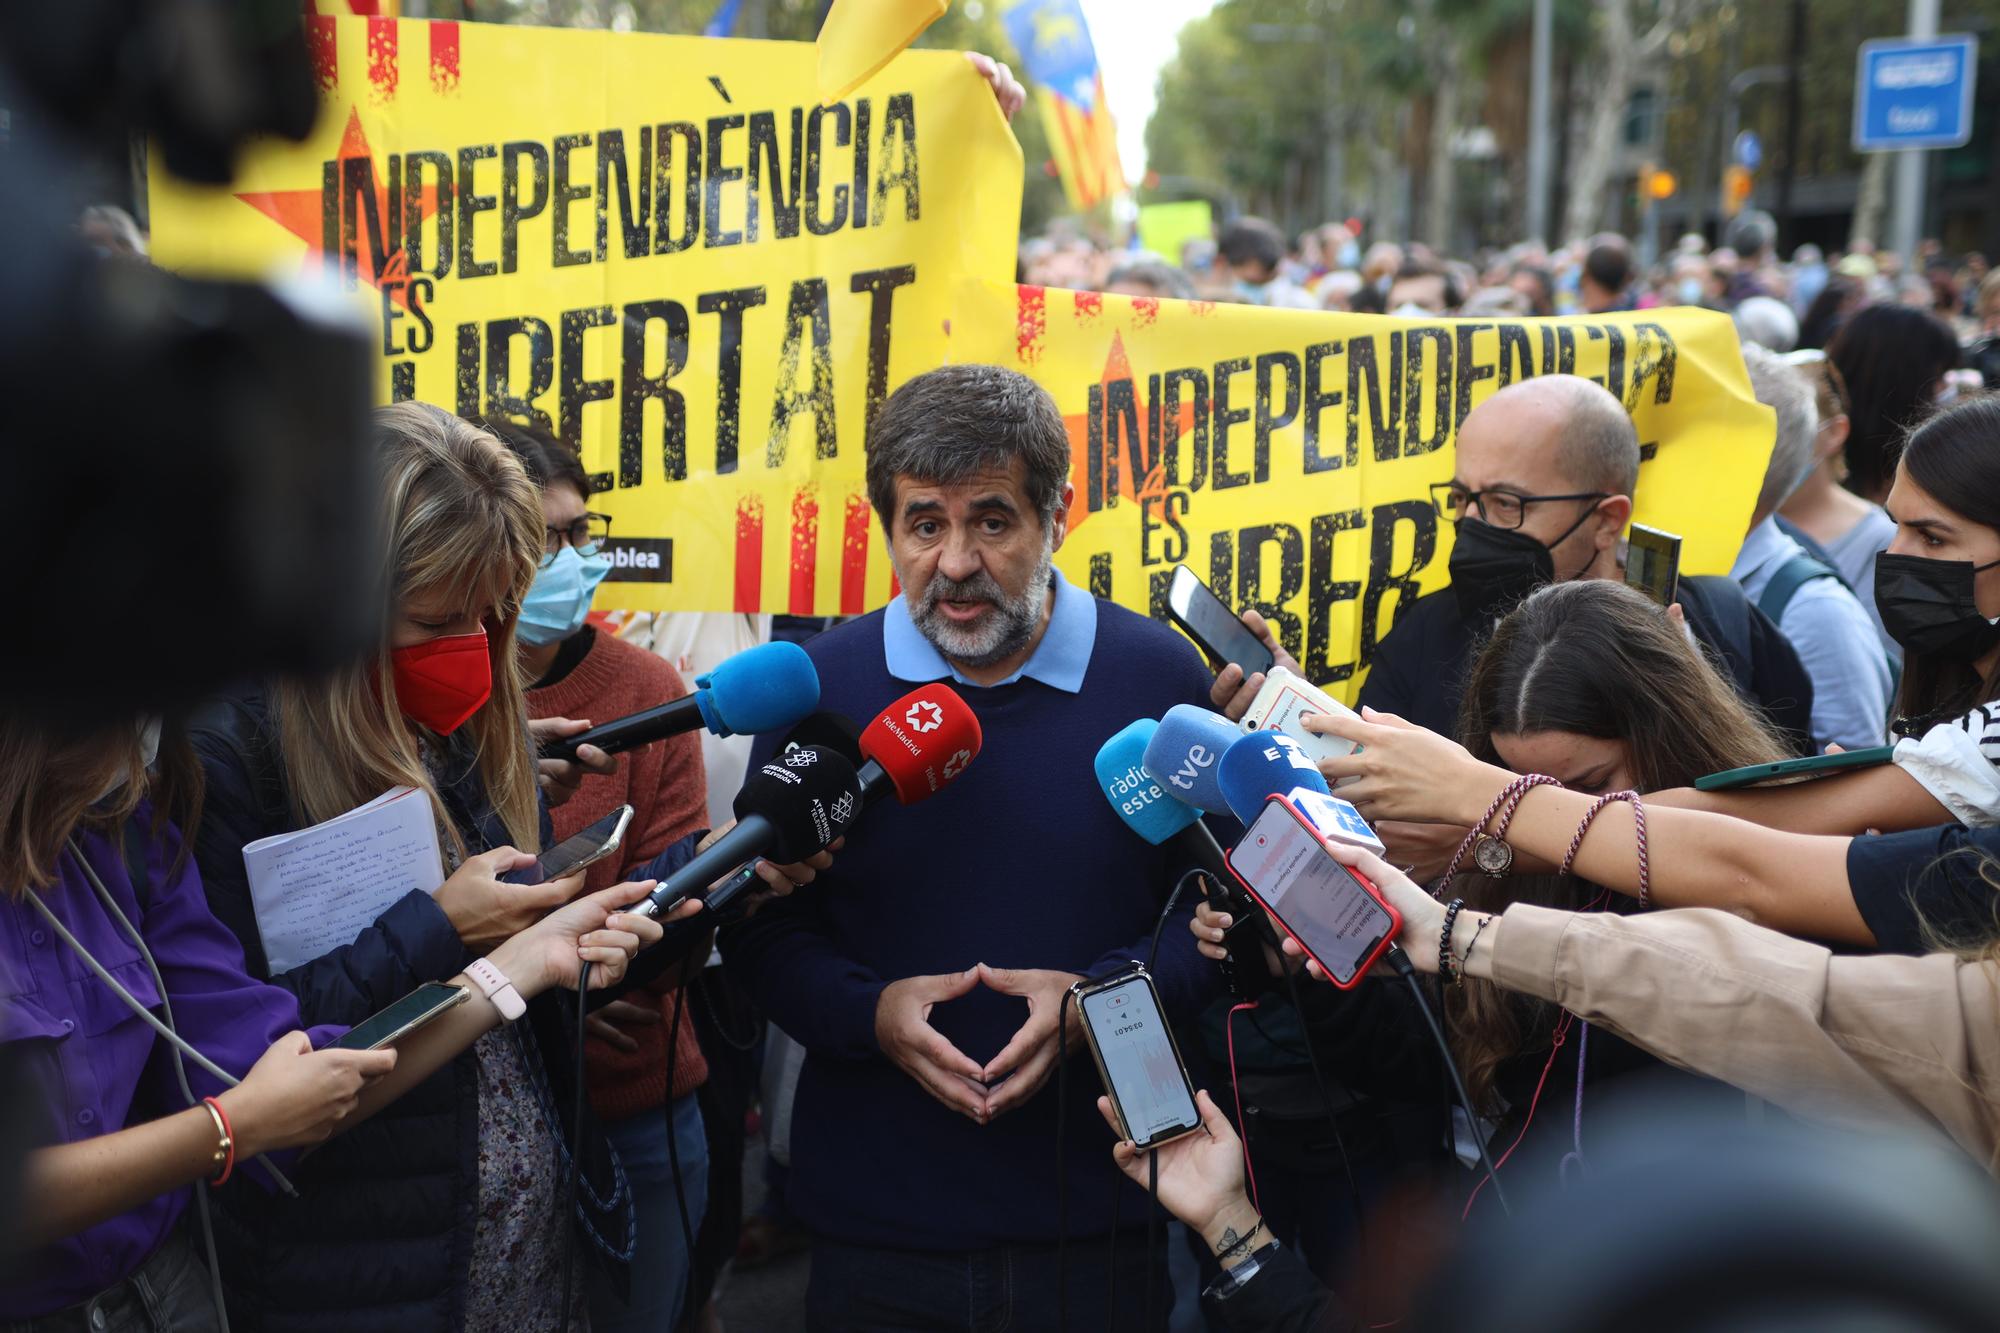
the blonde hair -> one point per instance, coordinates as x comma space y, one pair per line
462, 517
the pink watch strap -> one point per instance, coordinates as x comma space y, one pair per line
493, 984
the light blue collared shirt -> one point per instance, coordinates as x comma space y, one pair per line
1852, 686
1058, 661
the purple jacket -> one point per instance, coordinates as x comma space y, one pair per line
96, 1067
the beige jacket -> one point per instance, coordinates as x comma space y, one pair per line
1858, 1041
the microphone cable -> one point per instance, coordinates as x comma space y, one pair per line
1332, 1120
674, 1153
1401, 962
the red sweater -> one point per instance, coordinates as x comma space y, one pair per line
668, 791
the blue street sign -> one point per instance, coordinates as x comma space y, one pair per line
1749, 150
1914, 94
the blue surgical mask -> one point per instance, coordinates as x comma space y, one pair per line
1689, 290
556, 605
1349, 255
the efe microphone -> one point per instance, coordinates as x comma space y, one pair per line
759, 689
1261, 765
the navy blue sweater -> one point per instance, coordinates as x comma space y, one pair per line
1021, 863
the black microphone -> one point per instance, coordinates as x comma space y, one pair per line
789, 809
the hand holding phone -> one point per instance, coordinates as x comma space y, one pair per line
1653, 563
1136, 1056
1337, 917
1215, 629
585, 847
405, 1016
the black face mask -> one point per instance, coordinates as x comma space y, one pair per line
1927, 605
1494, 569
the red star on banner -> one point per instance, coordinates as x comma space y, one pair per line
1117, 366
300, 212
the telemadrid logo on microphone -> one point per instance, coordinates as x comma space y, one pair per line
924, 716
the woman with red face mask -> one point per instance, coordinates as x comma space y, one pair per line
446, 1212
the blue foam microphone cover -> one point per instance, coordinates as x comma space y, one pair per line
1264, 764
765, 688
1186, 752
1140, 802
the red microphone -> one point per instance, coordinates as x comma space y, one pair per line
915, 747
919, 744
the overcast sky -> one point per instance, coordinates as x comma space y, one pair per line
1134, 38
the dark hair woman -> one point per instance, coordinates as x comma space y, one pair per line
1554, 692
1894, 360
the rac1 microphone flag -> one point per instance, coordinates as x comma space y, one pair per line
1184, 753
759, 689
1261, 765
923, 741
789, 808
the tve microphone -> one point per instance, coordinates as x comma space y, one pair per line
759, 689
1185, 752
789, 809
1261, 765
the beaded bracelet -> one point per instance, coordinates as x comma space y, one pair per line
1451, 911
1639, 826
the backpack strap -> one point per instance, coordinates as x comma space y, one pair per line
1794, 574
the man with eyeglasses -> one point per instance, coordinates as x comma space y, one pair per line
1541, 492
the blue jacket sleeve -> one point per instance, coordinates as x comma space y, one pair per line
787, 958
409, 944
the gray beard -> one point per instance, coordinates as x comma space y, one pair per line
1004, 631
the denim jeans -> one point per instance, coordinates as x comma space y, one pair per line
1011, 1289
168, 1294
661, 1266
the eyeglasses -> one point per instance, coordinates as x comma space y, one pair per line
586, 537
1502, 509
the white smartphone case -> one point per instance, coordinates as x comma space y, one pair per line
1283, 705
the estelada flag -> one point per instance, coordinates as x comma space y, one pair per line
1060, 61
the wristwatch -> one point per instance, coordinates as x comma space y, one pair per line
1492, 855
493, 984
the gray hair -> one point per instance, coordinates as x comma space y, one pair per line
1767, 322
1164, 279
948, 425
1785, 391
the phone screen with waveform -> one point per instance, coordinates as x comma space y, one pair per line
1140, 1062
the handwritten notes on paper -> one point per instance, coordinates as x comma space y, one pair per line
319, 888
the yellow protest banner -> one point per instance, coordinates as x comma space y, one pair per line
1287, 456
663, 249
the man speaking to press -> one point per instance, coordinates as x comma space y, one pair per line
924, 973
